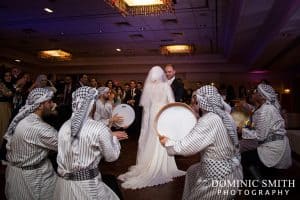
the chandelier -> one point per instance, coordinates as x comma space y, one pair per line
142, 7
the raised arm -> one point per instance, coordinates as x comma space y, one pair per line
109, 145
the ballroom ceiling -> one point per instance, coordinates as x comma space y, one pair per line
228, 35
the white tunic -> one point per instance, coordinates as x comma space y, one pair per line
209, 136
30, 144
103, 111
267, 120
95, 141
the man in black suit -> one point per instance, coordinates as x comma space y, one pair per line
176, 84
83, 81
132, 98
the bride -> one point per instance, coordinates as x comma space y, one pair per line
153, 165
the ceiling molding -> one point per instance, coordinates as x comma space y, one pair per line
277, 18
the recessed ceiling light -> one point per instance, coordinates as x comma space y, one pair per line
177, 49
48, 10
17, 60
259, 71
118, 50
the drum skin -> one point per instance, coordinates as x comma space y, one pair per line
125, 111
175, 120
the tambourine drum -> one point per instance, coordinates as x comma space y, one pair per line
175, 120
125, 111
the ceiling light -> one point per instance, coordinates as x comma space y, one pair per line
176, 49
259, 71
57, 54
142, 7
286, 91
48, 10
119, 50
17, 60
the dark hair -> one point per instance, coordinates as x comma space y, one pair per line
106, 84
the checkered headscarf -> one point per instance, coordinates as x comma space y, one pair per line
34, 99
209, 99
82, 103
269, 94
102, 90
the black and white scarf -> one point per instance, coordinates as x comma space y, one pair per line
210, 100
34, 99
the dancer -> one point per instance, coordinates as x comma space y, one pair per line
273, 148
216, 138
82, 143
29, 174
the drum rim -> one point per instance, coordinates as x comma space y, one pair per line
166, 107
120, 105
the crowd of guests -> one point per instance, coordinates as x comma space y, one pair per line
15, 86
80, 127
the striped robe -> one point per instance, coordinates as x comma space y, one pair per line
209, 136
267, 120
95, 141
30, 144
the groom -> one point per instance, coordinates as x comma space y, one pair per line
176, 84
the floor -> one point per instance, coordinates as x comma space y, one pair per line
169, 191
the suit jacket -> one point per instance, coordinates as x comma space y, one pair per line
178, 90
67, 95
136, 96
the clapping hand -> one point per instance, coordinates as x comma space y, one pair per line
131, 102
117, 119
121, 135
163, 139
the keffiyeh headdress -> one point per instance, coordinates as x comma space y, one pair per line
210, 100
102, 90
82, 103
269, 94
34, 99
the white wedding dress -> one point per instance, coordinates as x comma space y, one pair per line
153, 165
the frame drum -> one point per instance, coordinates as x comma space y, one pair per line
175, 120
125, 111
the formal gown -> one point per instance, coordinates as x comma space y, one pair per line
153, 165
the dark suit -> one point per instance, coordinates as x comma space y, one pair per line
135, 127
67, 97
178, 90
